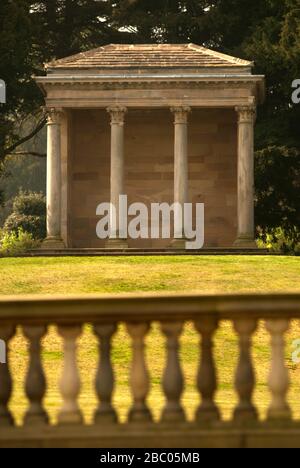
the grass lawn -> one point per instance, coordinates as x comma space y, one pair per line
151, 274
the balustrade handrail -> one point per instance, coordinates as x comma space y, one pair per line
145, 307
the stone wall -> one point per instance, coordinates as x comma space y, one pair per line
149, 141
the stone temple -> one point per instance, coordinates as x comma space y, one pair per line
159, 123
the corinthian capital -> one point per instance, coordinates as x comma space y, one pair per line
54, 115
117, 115
247, 114
181, 114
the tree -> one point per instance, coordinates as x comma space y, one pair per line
17, 65
278, 191
31, 34
164, 21
221, 24
65, 27
275, 47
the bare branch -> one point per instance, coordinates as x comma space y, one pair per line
11, 148
29, 153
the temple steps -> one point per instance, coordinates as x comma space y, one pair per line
92, 252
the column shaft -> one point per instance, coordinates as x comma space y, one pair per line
117, 238
180, 169
246, 234
53, 240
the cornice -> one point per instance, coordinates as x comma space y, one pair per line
165, 84
121, 81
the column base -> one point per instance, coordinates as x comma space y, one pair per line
116, 244
245, 242
178, 244
53, 243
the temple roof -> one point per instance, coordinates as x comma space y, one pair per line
146, 56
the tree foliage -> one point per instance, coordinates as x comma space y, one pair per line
278, 191
17, 65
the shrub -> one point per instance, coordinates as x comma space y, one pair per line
12, 243
29, 214
30, 204
277, 241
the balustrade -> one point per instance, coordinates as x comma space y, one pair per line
172, 314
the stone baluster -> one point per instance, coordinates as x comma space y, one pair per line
173, 378
70, 381
206, 379
105, 412
139, 373
6, 418
35, 379
245, 377
279, 377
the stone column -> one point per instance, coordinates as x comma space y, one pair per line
117, 238
180, 167
246, 231
54, 239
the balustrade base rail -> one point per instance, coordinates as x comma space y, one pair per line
126, 436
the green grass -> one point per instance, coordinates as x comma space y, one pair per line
150, 274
